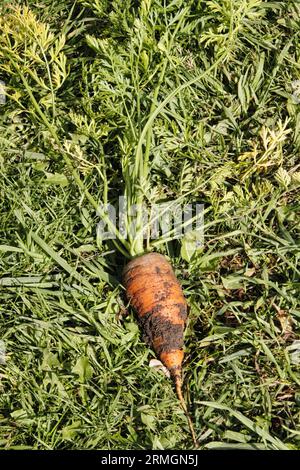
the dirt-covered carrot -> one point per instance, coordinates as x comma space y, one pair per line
157, 297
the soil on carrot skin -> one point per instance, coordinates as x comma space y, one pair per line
162, 328
155, 326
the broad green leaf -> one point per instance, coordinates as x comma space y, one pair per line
56, 178
83, 369
232, 282
190, 244
69, 432
50, 361
148, 420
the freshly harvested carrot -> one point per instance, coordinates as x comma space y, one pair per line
156, 295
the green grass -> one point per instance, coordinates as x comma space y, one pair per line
199, 101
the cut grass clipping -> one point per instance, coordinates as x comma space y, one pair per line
183, 101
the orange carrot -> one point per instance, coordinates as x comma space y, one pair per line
157, 297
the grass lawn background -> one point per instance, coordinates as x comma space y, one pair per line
83, 78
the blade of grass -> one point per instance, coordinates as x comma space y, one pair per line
248, 423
